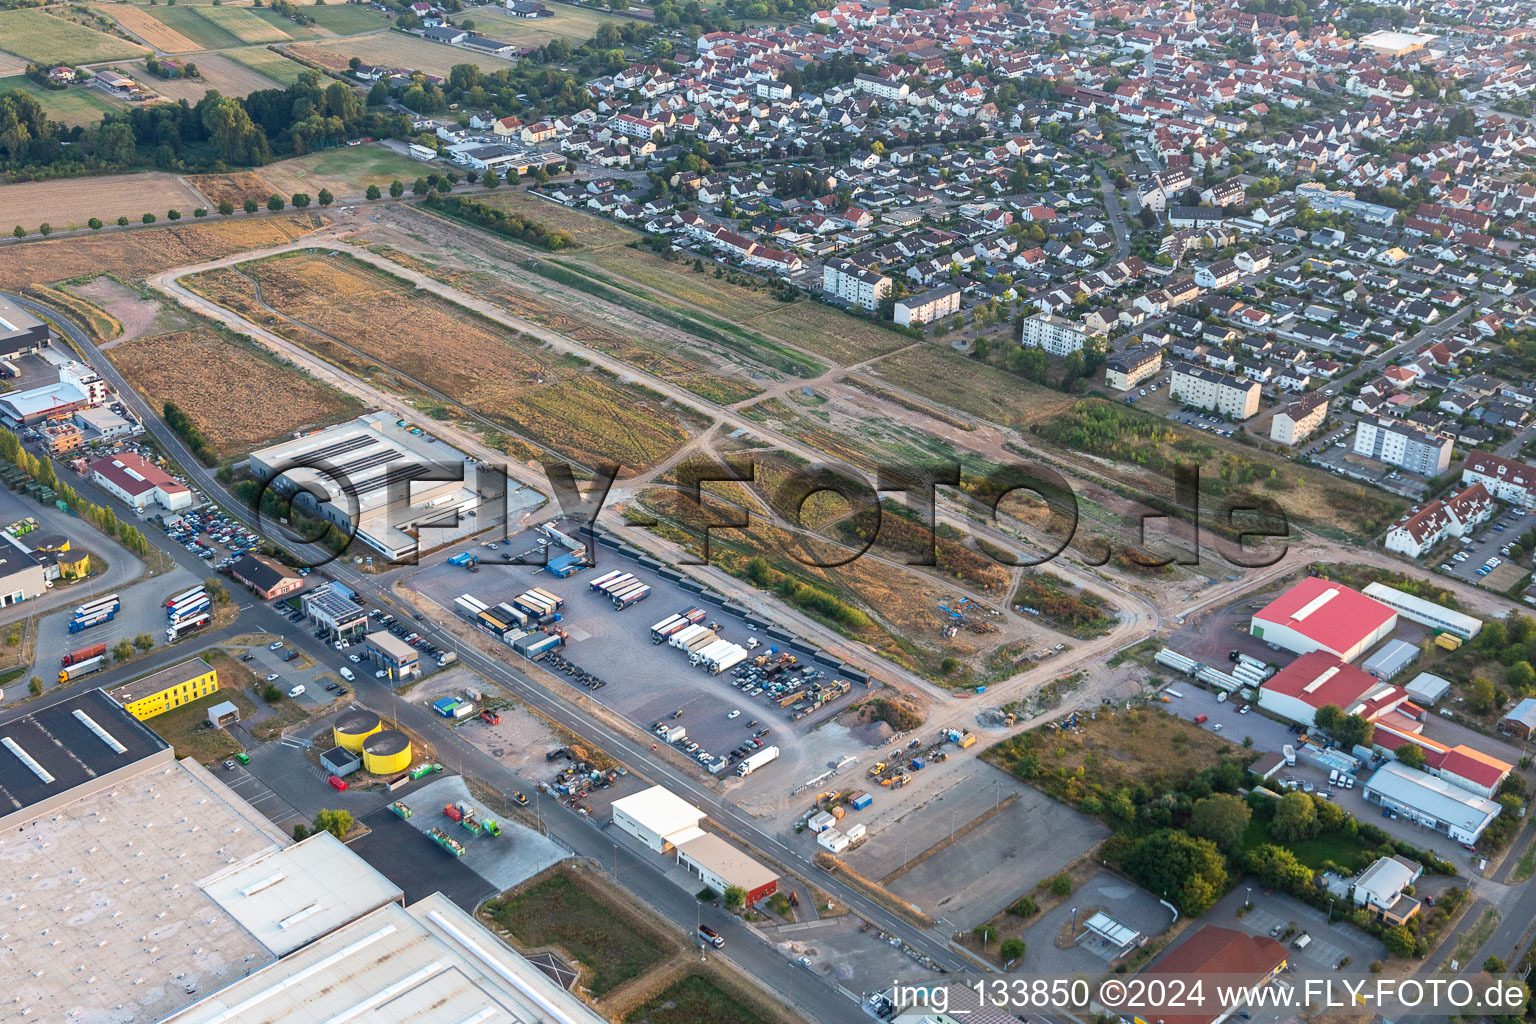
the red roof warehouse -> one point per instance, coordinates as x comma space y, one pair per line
1318, 615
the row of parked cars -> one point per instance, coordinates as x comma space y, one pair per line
404, 632
199, 532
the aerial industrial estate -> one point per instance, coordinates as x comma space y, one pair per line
991, 505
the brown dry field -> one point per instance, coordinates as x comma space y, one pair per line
10, 64
218, 73
135, 255
393, 49
236, 186
556, 401
240, 398
76, 200
150, 29
941, 375
588, 231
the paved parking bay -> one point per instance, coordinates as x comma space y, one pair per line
1127, 903
647, 682
417, 866
1330, 943
1485, 545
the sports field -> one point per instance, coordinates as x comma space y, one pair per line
77, 200
76, 105
577, 24
347, 171
48, 40
269, 63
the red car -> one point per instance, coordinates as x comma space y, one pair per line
337, 782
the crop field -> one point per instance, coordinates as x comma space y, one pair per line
567, 909
10, 64
48, 40
76, 200
240, 396
236, 186
392, 49
154, 31
73, 106
183, 20
268, 63
574, 23
556, 401
134, 255
249, 26
347, 171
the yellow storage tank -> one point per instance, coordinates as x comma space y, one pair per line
387, 752
354, 727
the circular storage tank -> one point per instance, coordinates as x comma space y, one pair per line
353, 727
387, 752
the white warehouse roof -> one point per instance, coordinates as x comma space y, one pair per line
660, 811
1428, 613
1435, 797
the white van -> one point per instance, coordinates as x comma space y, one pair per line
346, 674
1333, 777
296, 690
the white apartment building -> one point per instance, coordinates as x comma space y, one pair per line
877, 86
926, 307
1298, 420
852, 283
1053, 334
1234, 397
1125, 370
1400, 444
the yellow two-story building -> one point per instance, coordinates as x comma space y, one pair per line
167, 689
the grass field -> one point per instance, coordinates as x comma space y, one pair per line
239, 395
48, 40
948, 378
252, 26
76, 200
569, 911
578, 24
393, 49
76, 105
560, 402
217, 72
153, 30
347, 171
589, 232
273, 65
701, 998
134, 255
347, 19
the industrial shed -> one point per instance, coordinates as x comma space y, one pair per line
658, 818
1432, 802
1318, 615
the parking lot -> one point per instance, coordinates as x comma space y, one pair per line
1486, 545
1127, 903
645, 682
1274, 913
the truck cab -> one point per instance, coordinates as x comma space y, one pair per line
711, 936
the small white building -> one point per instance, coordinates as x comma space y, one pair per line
925, 307
1056, 336
658, 818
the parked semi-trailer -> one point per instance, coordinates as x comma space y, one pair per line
92, 607
731, 660
632, 597
82, 668
701, 654
191, 606
683, 637
694, 615
506, 613
533, 604
182, 628
178, 598
752, 762
539, 648
703, 640
75, 657
606, 577
94, 619
665, 628
555, 600
623, 579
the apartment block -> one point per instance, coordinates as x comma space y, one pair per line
852, 283
1402, 444
1234, 397
1053, 334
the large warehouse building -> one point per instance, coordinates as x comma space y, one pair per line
164, 896
1317, 615
1319, 678
658, 818
1432, 802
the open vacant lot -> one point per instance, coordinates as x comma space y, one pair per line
702, 996
77, 105
378, 326
48, 40
217, 72
241, 396
393, 49
267, 62
569, 910
237, 187
134, 255
347, 171
574, 23
76, 200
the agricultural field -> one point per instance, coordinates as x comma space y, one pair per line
69, 201
10, 64
185, 21
47, 40
217, 72
347, 171
253, 26
393, 49
135, 255
347, 19
236, 186
577, 24
266, 62
139, 22
555, 401
567, 909
240, 396
76, 105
